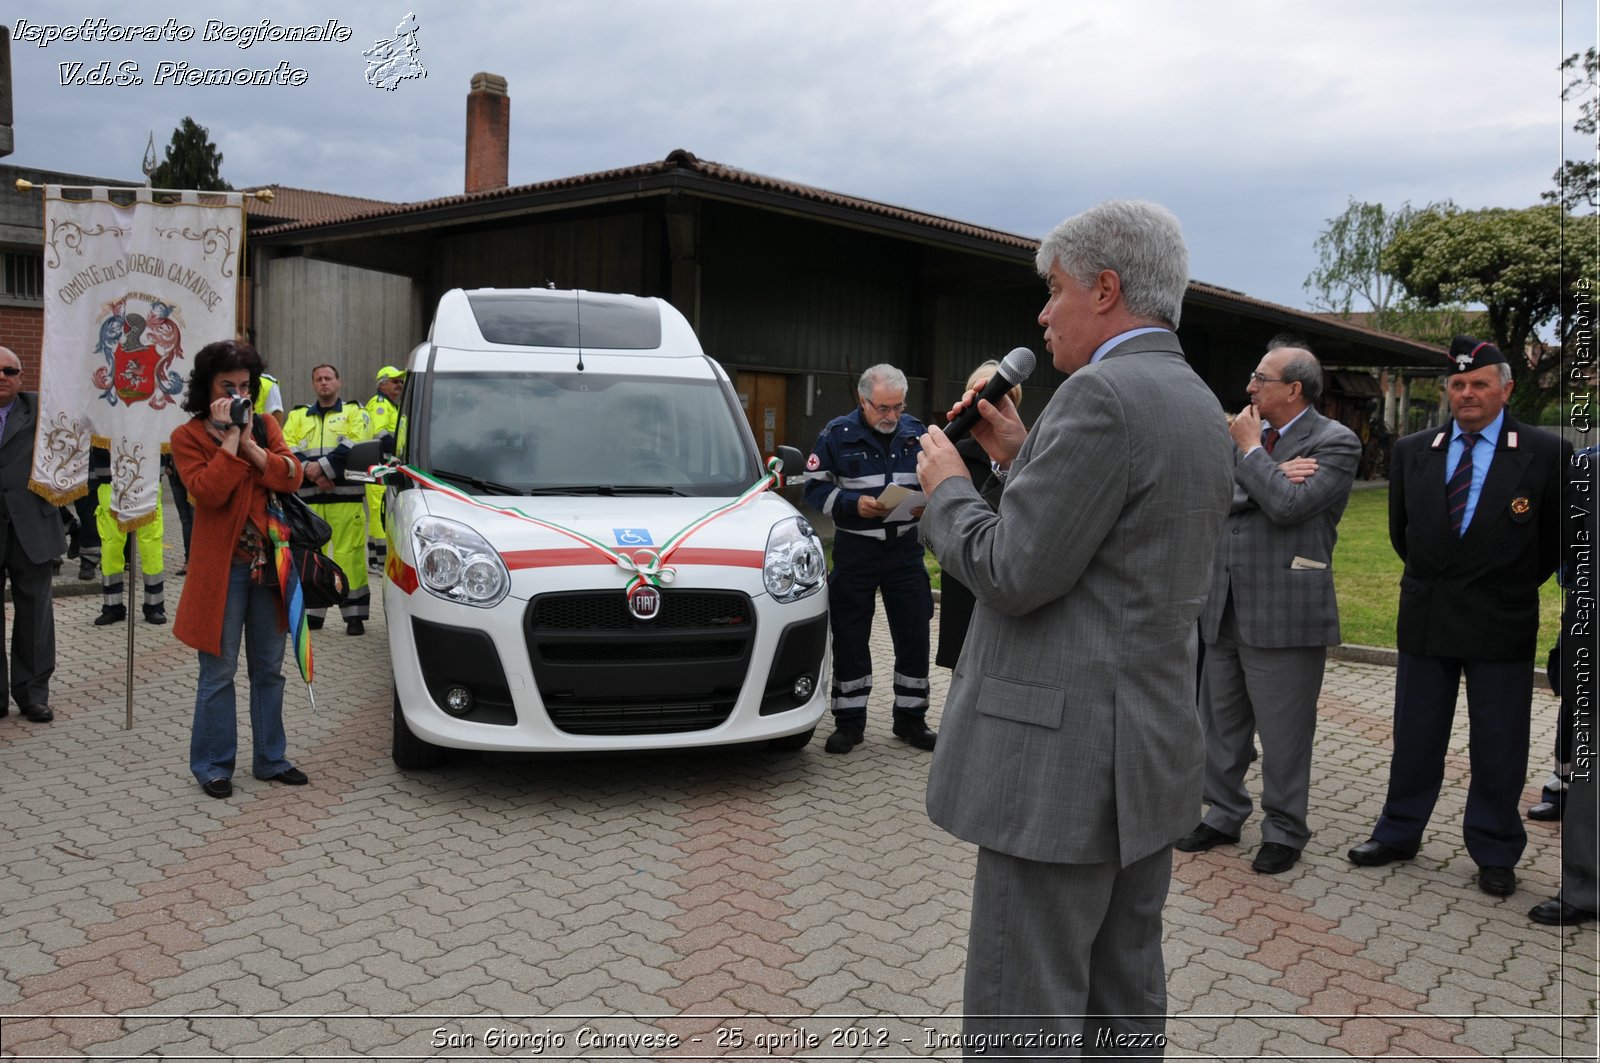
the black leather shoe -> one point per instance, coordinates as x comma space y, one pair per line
1497, 881
844, 739
87, 569
218, 788
1274, 858
1557, 912
1373, 853
314, 623
38, 713
355, 627
916, 732
155, 614
111, 614
1545, 812
291, 777
1203, 839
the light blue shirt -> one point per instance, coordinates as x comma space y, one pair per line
1482, 455
1100, 351
5, 414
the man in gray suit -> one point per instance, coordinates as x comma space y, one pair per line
1071, 751
1272, 615
30, 539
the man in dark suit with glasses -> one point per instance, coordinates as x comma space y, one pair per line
31, 539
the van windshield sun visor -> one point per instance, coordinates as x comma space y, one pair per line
592, 322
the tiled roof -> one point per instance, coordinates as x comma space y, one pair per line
1355, 323
685, 162
679, 160
303, 205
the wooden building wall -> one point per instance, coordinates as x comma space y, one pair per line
308, 311
613, 252
817, 304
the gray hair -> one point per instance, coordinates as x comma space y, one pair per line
1505, 372
884, 374
1140, 242
1303, 368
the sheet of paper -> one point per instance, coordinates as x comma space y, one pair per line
901, 501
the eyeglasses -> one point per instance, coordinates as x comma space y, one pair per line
1258, 378
887, 410
10, 370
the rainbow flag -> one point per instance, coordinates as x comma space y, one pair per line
289, 584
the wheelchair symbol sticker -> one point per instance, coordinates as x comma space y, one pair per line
632, 536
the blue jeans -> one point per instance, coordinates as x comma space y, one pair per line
252, 611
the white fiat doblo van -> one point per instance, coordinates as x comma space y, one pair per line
578, 555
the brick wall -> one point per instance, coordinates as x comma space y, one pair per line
22, 329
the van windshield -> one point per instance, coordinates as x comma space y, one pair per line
538, 432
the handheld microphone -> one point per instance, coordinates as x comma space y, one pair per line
1014, 369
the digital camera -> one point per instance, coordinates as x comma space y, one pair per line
239, 408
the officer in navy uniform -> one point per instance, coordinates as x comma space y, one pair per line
857, 456
1475, 512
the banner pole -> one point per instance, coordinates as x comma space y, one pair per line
129, 581
263, 195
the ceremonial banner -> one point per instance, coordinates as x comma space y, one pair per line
130, 293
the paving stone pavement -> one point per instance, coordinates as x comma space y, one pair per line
736, 903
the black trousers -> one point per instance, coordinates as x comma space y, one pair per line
1499, 702
33, 625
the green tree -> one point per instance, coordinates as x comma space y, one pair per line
1578, 180
1523, 266
1349, 268
1348, 254
192, 161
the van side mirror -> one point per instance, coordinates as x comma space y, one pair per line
791, 463
362, 457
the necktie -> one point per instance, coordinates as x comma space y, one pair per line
1269, 439
1455, 492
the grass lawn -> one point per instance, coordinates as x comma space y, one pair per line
1366, 573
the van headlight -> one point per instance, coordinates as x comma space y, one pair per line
794, 567
457, 564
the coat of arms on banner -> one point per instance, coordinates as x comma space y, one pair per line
132, 290
140, 339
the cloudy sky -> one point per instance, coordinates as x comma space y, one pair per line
1255, 121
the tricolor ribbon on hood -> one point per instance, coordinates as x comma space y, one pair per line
653, 570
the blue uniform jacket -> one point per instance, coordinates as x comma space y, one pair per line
851, 460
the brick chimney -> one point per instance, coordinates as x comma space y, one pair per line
488, 133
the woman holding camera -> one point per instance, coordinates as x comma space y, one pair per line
230, 460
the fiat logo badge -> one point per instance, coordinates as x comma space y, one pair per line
644, 602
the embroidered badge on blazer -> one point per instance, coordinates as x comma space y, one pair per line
1521, 509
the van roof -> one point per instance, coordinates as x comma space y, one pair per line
538, 317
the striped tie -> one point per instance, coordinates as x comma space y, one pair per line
1460, 485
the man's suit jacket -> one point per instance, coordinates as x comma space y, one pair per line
1070, 733
1476, 596
35, 520
1273, 521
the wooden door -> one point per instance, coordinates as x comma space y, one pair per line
765, 398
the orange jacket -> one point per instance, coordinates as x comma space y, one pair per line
227, 490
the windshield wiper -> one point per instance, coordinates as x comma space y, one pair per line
639, 489
485, 487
